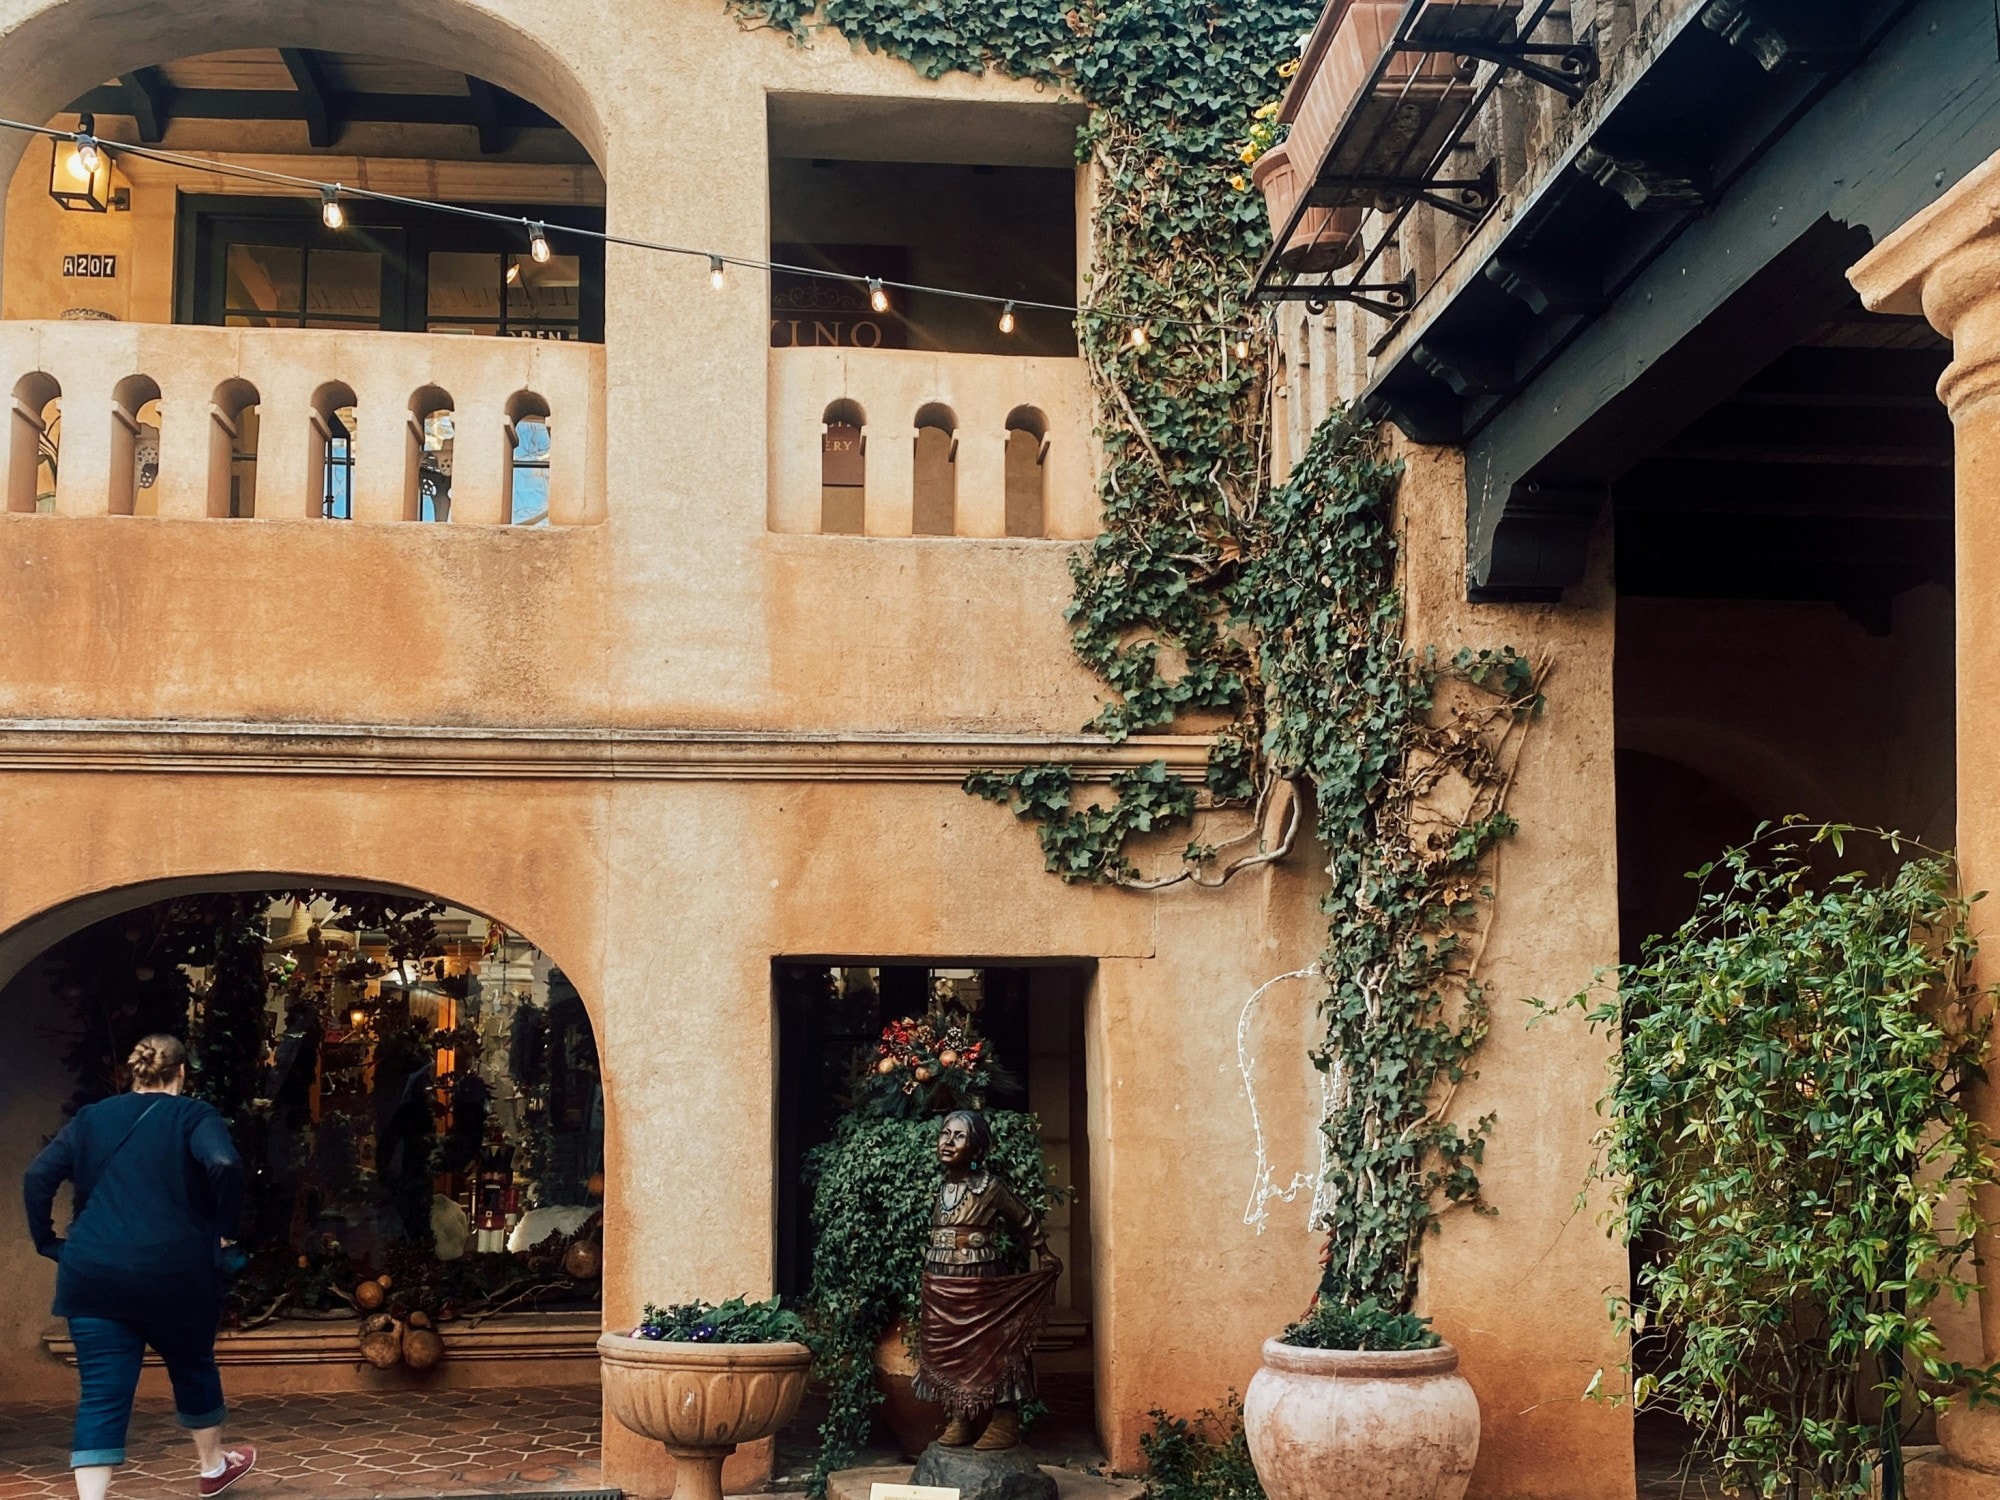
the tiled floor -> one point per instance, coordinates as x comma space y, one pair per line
344, 1447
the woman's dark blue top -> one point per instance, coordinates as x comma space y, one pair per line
154, 1197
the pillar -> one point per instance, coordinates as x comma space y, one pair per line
1945, 264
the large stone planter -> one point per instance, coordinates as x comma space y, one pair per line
701, 1400
1335, 1424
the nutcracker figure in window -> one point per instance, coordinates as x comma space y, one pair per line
497, 1196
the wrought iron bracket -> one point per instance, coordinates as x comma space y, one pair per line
1567, 67
1385, 299
1466, 198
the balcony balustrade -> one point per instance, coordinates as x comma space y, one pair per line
899, 443
249, 421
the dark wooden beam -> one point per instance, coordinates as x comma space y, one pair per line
486, 108
355, 109
318, 100
149, 100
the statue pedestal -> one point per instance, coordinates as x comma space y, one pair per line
1006, 1474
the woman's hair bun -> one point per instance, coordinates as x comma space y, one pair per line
156, 1060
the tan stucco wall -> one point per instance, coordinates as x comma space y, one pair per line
1522, 1293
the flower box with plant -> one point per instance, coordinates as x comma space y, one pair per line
874, 1185
702, 1377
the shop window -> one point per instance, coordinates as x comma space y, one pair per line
417, 1087
1027, 471
232, 450
843, 470
330, 467
427, 482
135, 444
934, 475
527, 460
512, 296
301, 286
34, 443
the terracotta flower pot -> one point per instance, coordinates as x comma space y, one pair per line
1326, 238
914, 1422
701, 1400
1335, 1424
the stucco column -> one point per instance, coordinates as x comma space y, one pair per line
1945, 264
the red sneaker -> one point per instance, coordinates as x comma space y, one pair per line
236, 1462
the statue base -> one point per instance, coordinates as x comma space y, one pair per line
1002, 1474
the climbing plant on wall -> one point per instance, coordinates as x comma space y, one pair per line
1276, 612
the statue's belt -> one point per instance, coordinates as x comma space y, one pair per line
954, 1238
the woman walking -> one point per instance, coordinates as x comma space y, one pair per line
158, 1188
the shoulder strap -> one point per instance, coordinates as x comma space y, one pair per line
127, 1135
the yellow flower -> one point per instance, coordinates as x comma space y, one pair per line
1288, 67
1249, 154
1239, 182
1268, 111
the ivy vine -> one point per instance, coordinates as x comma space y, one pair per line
1277, 611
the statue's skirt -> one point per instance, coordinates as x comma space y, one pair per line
975, 1338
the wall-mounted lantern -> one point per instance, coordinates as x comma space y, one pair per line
80, 171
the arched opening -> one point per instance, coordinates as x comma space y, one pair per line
414, 1087
843, 469
934, 472
34, 443
330, 452
528, 441
232, 450
1027, 471
427, 468
135, 443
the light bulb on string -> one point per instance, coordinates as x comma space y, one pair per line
1007, 318
1242, 346
331, 213
715, 272
1140, 338
83, 164
538, 244
877, 298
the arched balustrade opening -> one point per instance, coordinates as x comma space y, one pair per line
34, 443
232, 450
528, 447
427, 472
1027, 472
934, 472
330, 457
843, 469
135, 445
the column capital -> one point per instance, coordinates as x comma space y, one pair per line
1945, 264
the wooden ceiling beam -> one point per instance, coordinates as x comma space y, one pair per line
149, 97
318, 98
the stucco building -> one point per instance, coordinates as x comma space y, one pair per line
662, 625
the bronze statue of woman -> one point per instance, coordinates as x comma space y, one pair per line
980, 1319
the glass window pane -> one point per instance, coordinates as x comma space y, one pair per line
345, 286
465, 290
460, 325
544, 297
266, 280
529, 505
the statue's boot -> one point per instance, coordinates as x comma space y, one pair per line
1004, 1431
958, 1432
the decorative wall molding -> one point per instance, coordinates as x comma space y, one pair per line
196, 747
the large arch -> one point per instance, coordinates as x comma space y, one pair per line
61, 48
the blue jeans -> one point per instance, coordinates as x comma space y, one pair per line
109, 1352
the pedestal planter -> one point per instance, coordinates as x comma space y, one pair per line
1336, 1424
701, 1400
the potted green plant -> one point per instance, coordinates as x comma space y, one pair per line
874, 1185
700, 1378
1361, 1403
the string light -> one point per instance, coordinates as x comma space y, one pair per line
90, 152
1243, 346
83, 165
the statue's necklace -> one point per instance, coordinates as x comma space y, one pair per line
955, 1193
